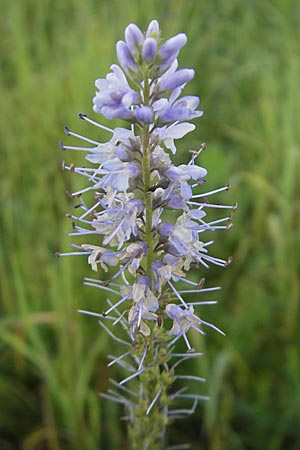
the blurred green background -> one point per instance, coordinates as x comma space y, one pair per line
52, 360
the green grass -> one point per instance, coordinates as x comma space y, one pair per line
52, 361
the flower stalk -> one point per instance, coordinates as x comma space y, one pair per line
146, 221
147, 197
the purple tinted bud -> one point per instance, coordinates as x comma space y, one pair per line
149, 49
144, 114
176, 79
134, 38
153, 30
145, 280
172, 45
124, 57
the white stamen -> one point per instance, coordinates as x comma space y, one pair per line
84, 117
153, 401
215, 191
71, 133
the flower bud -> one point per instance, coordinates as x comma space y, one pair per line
134, 38
124, 57
153, 30
149, 49
176, 79
172, 45
144, 114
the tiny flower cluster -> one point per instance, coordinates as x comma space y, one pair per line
143, 215
148, 67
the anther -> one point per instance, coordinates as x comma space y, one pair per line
63, 165
229, 226
98, 256
106, 282
94, 214
201, 283
61, 145
228, 186
191, 350
159, 321
82, 116
203, 146
234, 208
77, 206
67, 131
69, 194
72, 168
229, 261
138, 253
69, 215
57, 254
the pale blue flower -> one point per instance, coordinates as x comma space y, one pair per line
115, 97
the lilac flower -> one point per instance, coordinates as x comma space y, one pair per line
143, 220
183, 320
167, 135
115, 97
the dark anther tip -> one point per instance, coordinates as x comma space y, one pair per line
61, 145
228, 186
229, 261
201, 283
57, 254
81, 116
235, 206
67, 131
191, 350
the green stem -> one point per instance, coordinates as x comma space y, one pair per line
147, 429
145, 138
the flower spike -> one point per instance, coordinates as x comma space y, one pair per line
141, 223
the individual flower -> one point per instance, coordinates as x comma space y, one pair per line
115, 97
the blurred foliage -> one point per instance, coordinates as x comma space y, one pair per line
52, 361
